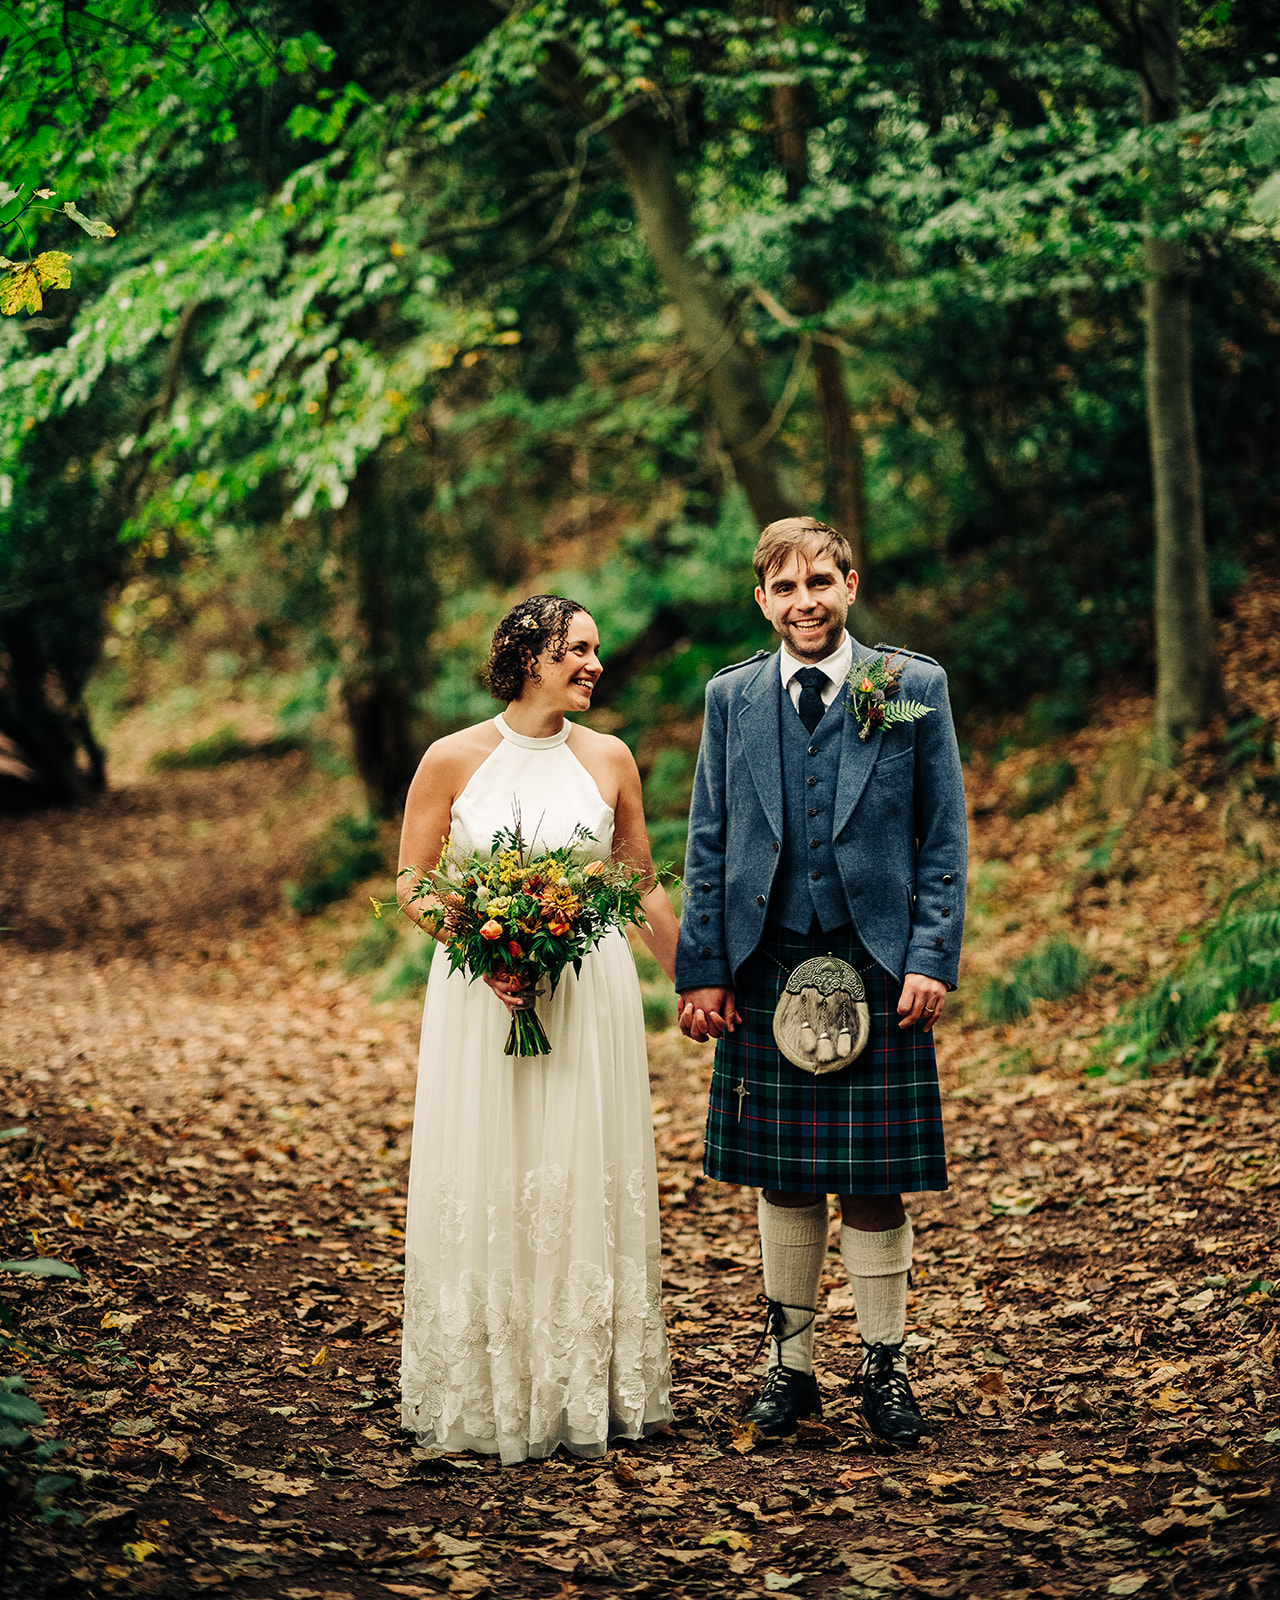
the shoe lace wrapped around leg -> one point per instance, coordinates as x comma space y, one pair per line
879, 1366
775, 1326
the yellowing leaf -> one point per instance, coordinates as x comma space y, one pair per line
1170, 1401
95, 230
140, 1549
124, 1320
730, 1538
53, 270
1227, 1461
20, 291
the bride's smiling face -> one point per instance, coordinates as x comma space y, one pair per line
568, 682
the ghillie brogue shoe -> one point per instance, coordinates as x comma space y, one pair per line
787, 1395
887, 1401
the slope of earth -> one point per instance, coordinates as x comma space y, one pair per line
202, 1113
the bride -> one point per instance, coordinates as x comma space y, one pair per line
533, 1314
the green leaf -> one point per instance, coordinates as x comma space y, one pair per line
51, 1447
1265, 204
1262, 142
10, 1133
46, 1487
12, 1437
42, 1267
95, 230
19, 1407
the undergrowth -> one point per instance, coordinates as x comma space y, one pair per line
341, 855
1237, 964
1054, 971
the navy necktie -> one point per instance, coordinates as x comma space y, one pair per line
812, 681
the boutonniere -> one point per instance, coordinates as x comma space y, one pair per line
873, 686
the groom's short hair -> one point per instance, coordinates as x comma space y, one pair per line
803, 535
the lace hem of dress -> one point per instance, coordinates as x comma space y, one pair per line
517, 1367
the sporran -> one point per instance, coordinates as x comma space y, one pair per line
822, 1021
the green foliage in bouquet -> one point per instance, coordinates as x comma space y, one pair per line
524, 916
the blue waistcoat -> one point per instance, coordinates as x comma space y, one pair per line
807, 883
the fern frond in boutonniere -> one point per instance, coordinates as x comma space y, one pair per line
873, 689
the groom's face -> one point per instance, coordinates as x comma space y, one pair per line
807, 600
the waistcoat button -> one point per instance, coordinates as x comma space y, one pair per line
813, 749
760, 900
816, 875
812, 782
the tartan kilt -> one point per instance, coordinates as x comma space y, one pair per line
874, 1127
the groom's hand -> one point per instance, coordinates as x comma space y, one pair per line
922, 1000
707, 1013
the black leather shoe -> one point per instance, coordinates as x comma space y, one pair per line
887, 1401
786, 1397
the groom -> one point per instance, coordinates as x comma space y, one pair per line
817, 827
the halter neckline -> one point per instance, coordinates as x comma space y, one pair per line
526, 741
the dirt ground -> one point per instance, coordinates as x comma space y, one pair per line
202, 1113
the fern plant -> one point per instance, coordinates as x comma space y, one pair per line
1054, 971
1236, 965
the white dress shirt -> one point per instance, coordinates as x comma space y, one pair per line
837, 667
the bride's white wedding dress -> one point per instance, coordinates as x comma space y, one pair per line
533, 1311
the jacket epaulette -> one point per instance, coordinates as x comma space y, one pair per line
913, 655
734, 665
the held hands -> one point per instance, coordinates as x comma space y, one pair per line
922, 1001
707, 1014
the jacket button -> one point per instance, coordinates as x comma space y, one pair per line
776, 847
938, 942
812, 782
946, 911
813, 749
705, 887
706, 949
946, 877
814, 843
704, 917
815, 876
760, 900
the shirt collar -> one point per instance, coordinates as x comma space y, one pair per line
836, 666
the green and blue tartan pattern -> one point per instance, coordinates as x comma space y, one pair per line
875, 1127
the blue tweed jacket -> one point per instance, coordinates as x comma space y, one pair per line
899, 829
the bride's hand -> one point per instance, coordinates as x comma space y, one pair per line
506, 989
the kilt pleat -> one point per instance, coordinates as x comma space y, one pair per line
875, 1127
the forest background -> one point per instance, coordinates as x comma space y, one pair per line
328, 332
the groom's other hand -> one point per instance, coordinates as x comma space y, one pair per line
922, 1001
707, 1013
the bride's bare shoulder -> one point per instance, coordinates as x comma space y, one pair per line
453, 758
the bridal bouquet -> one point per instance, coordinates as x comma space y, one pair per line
523, 916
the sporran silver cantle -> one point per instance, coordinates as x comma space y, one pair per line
822, 1021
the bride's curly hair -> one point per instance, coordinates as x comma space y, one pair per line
539, 623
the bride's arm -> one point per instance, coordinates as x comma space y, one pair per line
631, 845
426, 827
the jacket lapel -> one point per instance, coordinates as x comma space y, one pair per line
760, 729
857, 757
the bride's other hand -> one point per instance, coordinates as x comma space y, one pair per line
506, 989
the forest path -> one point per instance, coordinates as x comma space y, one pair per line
216, 1127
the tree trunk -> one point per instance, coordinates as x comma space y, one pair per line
392, 610
708, 318
1188, 682
844, 485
